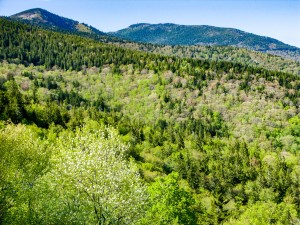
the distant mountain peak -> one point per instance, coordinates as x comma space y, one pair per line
31, 14
36, 10
36, 13
46, 19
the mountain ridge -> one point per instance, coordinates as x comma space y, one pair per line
161, 34
211, 31
204, 35
44, 18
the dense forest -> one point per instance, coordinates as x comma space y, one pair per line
93, 133
215, 53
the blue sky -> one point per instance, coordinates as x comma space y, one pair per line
279, 19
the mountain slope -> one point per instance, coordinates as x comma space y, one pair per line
217, 142
173, 34
219, 53
49, 20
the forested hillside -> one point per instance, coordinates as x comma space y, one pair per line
203, 35
93, 133
214, 53
174, 34
42, 18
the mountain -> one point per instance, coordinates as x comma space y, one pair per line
173, 34
45, 19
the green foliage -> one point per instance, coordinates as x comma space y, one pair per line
12, 102
264, 213
171, 204
23, 160
81, 178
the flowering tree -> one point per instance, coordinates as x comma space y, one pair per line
91, 182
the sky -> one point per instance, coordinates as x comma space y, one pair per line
279, 19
